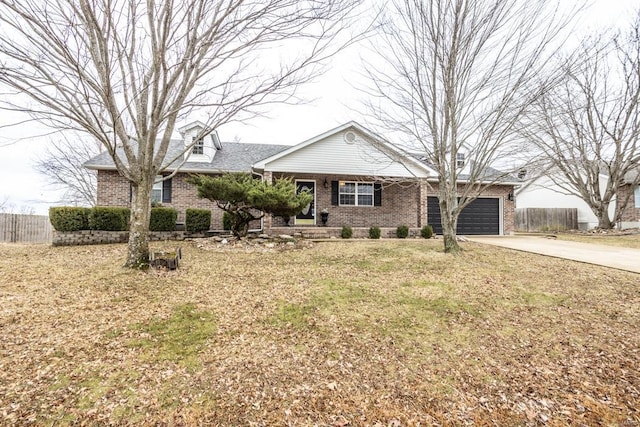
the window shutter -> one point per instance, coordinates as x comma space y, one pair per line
334, 193
130, 193
166, 191
377, 194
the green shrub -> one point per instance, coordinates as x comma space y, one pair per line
163, 219
346, 232
374, 232
68, 218
197, 220
109, 218
426, 232
227, 221
402, 231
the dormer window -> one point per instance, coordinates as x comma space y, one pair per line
198, 147
459, 160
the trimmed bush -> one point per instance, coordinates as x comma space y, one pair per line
227, 221
402, 231
69, 218
197, 220
346, 232
163, 219
374, 232
109, 218
426, 232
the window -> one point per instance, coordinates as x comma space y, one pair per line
355, 193
459, 160
156, 192
198, 148
636, 193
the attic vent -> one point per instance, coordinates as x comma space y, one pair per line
350, 137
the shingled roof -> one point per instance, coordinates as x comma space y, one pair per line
233, 157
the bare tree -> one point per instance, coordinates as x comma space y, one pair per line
588, 127
453, 76
124, 71
6, 206
63, 163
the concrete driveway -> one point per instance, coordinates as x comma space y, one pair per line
607, 256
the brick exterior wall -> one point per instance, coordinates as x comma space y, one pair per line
402, 204
399, 205
113, 190
631, 212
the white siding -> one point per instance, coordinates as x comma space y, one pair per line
544, 193
209, 150
333, 155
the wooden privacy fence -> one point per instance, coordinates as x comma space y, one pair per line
25, 228
546, 219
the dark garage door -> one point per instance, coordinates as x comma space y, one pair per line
482, 216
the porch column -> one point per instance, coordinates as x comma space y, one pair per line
268, 219
422, 203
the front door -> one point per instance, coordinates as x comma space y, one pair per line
308, 214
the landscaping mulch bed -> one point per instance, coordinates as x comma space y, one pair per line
371, 333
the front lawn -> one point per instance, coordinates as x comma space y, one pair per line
365, 333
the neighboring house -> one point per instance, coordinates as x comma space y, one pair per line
360, 179
631, 215
545, 192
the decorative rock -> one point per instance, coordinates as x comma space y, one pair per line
224, 241
291, 243
285, 237
270, 245
263, 236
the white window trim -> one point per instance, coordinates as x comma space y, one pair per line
198, 147
158, 184
357, 184
460, 160
636, 196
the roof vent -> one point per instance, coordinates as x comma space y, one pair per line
350, 137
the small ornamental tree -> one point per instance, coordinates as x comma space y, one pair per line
248, 199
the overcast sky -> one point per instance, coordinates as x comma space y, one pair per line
333, 101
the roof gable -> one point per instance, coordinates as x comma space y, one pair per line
348, 149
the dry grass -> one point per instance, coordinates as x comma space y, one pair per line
620, 240
365, 333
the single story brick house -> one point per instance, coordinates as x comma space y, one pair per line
360, 179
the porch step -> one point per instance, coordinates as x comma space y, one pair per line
315, 234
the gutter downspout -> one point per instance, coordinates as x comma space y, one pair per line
253, 172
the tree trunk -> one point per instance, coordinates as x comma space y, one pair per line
448, 205
451, 245
138, 250
604, 222
602, 213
